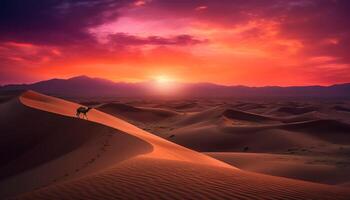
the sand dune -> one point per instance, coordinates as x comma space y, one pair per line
186, 106
262, 138
309, 116
145, 178
310, 168
161, 147
241, 115
136, 164
8, 95
249, 106
38, 148
137, 114
341, 108
223, 129
322, 129
215, 114
189, 105
296, 110
231, 138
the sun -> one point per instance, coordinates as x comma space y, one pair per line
164, 85
162, 79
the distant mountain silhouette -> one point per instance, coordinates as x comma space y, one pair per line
80, 86
83, 86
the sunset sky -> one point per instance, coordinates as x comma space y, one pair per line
230, 42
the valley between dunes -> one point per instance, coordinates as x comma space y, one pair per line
55, 155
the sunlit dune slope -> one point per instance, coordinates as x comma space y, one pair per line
154, 169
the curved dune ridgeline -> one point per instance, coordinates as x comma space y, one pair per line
57, 156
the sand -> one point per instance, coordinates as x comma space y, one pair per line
137, 114
320, 169
146, 178
108, 158
312, 135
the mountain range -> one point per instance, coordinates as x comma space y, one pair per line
84, 86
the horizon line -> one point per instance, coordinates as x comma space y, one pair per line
172, 81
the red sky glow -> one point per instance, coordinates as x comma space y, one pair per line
230, 42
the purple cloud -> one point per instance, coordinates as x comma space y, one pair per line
54, 22
126, 39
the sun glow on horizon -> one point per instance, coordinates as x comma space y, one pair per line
163, 79
165, 85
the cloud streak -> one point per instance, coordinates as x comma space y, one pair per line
126, 39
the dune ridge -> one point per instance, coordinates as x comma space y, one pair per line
161, 169
137, 114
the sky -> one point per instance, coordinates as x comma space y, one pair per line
229, 42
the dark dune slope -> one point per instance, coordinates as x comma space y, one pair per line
31, 138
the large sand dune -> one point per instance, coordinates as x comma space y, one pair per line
38, 148
62, 157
